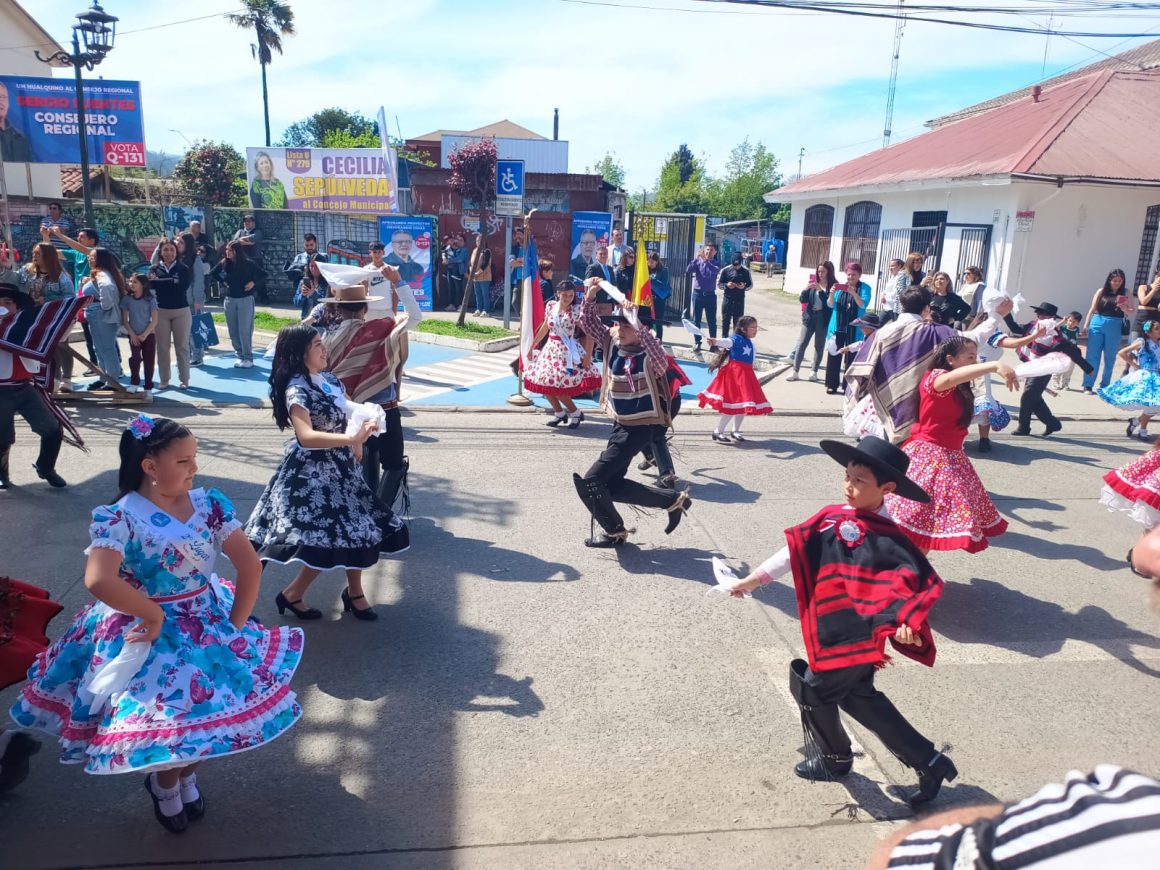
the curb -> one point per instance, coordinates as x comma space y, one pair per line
492, 345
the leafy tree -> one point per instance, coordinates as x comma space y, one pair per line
683, 185
312, 132
610, 169
750, 172
473, 177
270, 20
347, 139
212, 173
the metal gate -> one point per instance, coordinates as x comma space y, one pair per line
673, 237
901, 243
964, 244
974, 250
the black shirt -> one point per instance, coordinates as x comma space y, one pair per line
170, 284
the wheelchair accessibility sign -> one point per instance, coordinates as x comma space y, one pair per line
509, 187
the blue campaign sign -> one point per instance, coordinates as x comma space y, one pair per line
39, 121
509, 178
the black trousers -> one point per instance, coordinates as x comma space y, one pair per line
28, 402
814, 325
732, 310
657, 450
852, 690
611, 470
1032, 402
835, 365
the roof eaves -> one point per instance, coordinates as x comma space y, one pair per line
50, 42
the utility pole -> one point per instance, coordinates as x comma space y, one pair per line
899, 25
801, 154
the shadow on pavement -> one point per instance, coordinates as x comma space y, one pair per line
1056, 551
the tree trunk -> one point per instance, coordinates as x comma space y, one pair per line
468, 284
266, 105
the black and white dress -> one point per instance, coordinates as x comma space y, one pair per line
318, 509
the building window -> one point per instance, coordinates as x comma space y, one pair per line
817, 231
1148, 253
860, 235
928, 218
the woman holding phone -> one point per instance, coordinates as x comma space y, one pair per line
1104, 327
815, 300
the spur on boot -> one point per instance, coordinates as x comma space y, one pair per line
175, 824
930, 779
367, 613
283, 604
678, 510
603, 540
817, 767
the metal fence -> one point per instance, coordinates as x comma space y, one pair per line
898, 244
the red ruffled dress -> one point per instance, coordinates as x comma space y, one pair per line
736, 390
1135, 489
25, 612
556, 369
960, 514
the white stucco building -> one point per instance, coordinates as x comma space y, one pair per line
1047, 190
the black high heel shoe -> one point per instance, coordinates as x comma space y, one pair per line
678, 510
348, 607
283, 605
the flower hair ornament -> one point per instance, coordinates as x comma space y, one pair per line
141, 426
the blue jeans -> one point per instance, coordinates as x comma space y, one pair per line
705, 303
1103, 340
482, 295
104, 341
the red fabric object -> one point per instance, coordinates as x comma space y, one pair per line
25, 612
939, 414
1138, 480
677, 377
735, 390
852, 598
960, 514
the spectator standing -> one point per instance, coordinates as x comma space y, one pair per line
455, 268
312, 288
106, 285
169, 280
815, 300
617, 248
251, 237
199, 237
913, 266
56, 218
481, 275
381, 284
945, 305
547, 272
704, 268
140, 316
198, 289
890, 306
847, 302
662, 289
237, 272
626, 272
297, 266
516, 259
78, 252
1148, 305
734, 280
1104, 327
45, 280
770, 258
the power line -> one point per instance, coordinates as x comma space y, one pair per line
129, 32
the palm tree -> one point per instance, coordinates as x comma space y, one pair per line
270, 21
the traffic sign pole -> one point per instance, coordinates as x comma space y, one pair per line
507, 275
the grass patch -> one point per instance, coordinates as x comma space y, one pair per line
263, 320
475, 331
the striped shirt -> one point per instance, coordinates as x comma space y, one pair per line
1107, 819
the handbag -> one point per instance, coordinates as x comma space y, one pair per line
203, 331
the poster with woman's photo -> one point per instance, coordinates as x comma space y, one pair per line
410, 242
589, 229
351, 180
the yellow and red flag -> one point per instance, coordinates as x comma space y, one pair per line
642, 296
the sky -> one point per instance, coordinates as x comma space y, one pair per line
632, 77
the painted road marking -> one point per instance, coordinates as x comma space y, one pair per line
422, 382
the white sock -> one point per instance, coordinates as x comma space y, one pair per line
561, 414
1143, 431
187, 785
169, 799
737, 421
721, 424
574, 414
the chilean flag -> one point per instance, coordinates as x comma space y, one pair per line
532, 304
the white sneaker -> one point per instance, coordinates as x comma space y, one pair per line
239, 365
793, 376
247, 364
814, 376
148, 394
133, 388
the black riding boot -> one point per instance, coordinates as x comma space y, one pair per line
598, 500
371, 463
828, 753
393, 484
45, 464
5, 479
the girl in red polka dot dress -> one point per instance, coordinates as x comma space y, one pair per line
960, 514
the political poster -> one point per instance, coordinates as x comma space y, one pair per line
353, 180
410, 243
589, 229
39, 121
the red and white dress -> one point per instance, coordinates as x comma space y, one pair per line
960, 514
736, 390
1135, 489
556, 369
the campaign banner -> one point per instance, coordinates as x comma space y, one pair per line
589, 229
410, 244
321, 179
39, 121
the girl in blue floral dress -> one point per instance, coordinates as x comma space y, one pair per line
1140, 390
165, 669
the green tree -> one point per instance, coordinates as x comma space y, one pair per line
750, 173
270, 20
347, 139
212, 173
313, 132
683, 185
610, 169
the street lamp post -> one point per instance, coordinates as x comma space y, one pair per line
95, 30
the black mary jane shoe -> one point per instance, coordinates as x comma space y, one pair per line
556, 421
574, 422
815, 768
283, 604
367, 613
677, 511
21, 747
930, 779
603, 541
174, 824
194, 810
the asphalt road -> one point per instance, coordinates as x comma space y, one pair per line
525, 702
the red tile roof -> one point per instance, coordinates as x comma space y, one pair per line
1101, 126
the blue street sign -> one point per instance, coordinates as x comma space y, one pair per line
509, 178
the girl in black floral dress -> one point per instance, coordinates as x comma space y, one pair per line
317, 509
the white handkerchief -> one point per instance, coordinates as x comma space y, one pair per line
113, 676
692, 327
358, 413
727, 581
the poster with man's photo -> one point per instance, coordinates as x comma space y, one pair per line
589, 229
410, 242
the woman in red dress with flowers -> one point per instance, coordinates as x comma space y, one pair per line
960, 514
563, 368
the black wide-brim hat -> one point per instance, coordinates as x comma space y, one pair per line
1048, 308
886, 459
